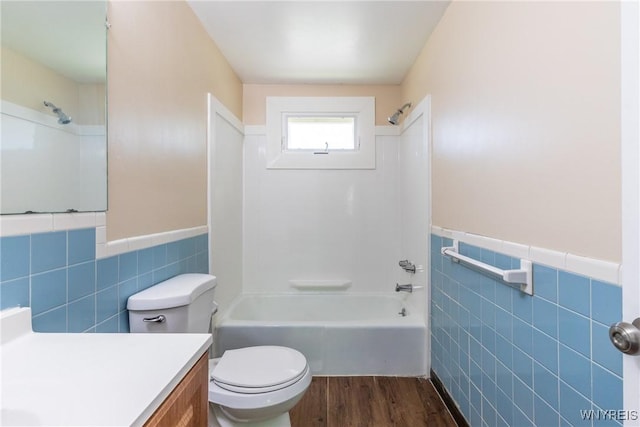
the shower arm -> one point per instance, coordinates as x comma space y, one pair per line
401, 109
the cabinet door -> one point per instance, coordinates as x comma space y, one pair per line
187, 405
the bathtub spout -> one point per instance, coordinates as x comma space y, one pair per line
404, 288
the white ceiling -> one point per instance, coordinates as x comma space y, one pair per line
320, 42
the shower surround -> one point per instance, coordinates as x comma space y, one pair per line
339, 232
352, 225
320, 224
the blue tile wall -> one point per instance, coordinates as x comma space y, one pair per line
69, 290
510, 359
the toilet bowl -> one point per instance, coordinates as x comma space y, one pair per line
251, 386
257, 385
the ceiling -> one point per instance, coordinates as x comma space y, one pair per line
320, 42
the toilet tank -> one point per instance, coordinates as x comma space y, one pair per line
183, 303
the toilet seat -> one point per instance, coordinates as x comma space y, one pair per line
254, 401
255, 390
261, 369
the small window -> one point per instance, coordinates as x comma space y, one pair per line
321, 133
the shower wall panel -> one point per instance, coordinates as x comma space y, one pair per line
321, 224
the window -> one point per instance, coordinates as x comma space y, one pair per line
320, 133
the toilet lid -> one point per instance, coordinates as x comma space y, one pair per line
259, 367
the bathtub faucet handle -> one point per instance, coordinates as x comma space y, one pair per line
407, 266
404, 288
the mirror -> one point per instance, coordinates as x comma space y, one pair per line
53, 145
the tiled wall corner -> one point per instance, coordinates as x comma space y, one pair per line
68, 289
510, 359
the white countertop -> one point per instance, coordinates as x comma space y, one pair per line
91, 379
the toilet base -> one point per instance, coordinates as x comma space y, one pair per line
218, 419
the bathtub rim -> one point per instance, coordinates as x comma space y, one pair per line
415, 318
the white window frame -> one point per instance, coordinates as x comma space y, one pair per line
362, 157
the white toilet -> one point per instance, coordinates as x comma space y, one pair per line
252, 386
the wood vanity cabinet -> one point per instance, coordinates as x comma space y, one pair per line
188, 404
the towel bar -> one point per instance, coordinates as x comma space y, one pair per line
522, 276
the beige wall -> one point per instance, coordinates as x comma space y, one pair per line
254, 98
92, 95
526, 122
161, 65
29, 83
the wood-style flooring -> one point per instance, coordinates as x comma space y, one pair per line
370, 402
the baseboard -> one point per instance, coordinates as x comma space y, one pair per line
448, 401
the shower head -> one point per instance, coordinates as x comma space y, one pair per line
394, 119
63, 119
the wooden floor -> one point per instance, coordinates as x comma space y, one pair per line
370, 402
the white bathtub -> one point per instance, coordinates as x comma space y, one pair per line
340, 334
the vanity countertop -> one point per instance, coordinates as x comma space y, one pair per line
51, 379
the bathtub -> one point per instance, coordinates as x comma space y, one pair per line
340, 334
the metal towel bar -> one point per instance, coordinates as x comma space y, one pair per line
522, 276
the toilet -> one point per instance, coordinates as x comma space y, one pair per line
251, 386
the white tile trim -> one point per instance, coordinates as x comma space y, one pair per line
73, 221
117, 247
16, 225
101, 234
597, 269
101, 218
101, 250
601, 270
516, 250
548, 257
